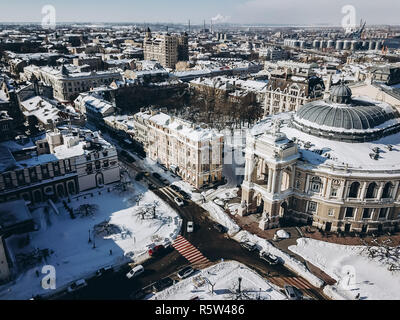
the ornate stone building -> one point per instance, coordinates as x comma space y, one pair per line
333, 164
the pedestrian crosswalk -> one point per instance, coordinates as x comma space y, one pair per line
297, 282
190, 252
170, 193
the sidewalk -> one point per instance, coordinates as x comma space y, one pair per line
250, 224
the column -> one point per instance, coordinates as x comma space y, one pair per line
363, 191
380, 190
293, 177
279, 181
270, 173
273, 186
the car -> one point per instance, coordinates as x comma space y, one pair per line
79, 284
269, 258
156, 251
130, 159
175, 188
179, 202
185, 272
220, 228
293, 293
136, 271
248, 246
104, 271
139, 176
162, 284
147, 174
156, 175
137, 295
185, 195
190, 227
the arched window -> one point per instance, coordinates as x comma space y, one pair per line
371, 191
387, 190
355, 186
316, 184
71, 187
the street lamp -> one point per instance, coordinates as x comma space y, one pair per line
90, 240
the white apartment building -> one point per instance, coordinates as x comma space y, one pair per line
192, 152
68, 85
63, 164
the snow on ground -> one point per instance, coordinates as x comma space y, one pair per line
219, 215
225, 277
289, 262
74, 257
351, 267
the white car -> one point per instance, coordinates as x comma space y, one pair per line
190, 226
136, 271
77, 285
179, 201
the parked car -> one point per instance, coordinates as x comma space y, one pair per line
248, 246
156, 175
162, 284
156, 251
179, 202
79, 284
185, 272
104, 271
136, 271
293, 293
220, 228
185, 195
139, 176
137, 295
190, 227
269, 258
175, 188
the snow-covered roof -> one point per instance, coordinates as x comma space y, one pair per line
326, 153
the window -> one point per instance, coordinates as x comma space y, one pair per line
367, 213
89, 168
312, 207
334, 192
387, 191
45, 171
349, 212
353, 193
383, 213
106, 164
298, 184
97, 164
371, 191
331, 212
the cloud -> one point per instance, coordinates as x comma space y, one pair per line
219, 18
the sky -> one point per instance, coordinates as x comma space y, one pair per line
299, 12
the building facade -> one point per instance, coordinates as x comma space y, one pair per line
332, 164
166, 49
194, 153
63, 164
68, 85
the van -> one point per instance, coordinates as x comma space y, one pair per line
136, 271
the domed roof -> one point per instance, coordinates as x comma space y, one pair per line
360, 117
341, 94
342, 118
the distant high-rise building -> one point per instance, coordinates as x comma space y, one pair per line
166, 49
